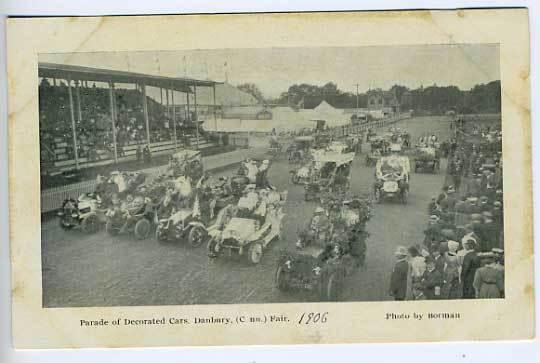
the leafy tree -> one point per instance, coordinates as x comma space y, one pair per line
253, 90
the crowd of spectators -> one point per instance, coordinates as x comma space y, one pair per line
94, 129
462, 255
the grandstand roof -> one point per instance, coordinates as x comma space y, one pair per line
64, 71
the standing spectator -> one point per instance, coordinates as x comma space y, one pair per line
400, 273
432, 281
451, 286
468, 268
488, 280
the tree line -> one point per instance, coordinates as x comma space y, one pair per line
482, 98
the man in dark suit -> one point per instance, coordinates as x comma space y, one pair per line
432, 281
471, 263
398, 280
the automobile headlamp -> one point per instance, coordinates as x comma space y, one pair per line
288, 263
317, 271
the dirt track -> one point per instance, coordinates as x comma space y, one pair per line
99, 270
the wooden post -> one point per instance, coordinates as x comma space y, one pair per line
174, 119
73, 126
215, 118
196, 114
188, 115
167, 97
113, 120
78, 95
145, 110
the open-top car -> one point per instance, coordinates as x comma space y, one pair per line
427, 159
323, 259
302, 174
392, 177
247, 232
331, 173
299, 149
183, 224
135, 214
185, 162
88, 210
85, 212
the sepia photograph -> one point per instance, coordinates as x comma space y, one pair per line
266, 179
271, 175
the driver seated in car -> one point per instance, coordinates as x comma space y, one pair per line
319, 226
248, 202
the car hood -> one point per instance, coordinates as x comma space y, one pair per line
240, 229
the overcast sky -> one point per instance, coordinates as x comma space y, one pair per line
275, 69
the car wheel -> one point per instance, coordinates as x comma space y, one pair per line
110, 228
255, 252
196, 236
404, 196
161, 235
142, 228
64, 225
282, 278
90, 224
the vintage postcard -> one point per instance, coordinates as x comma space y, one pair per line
270, 178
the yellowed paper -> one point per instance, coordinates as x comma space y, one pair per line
206, 315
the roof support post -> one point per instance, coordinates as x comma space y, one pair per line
214, 92
78, 96
73, 126
168, 106
113, 120
196, 114
188, 114
145, 111
174, 119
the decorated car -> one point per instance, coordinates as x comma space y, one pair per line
331, 173
392, 177
246, 229
321, 262
85, 212
427, 159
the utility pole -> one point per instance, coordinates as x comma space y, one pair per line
357, 97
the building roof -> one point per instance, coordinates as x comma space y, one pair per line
66, 71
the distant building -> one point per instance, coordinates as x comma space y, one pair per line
385, 101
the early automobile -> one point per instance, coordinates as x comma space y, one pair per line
135, 214
184, 224
299, 149
302, 174
427, 159
85, 212
186, 162
88, 210
247, 233
331, 174
321, 262
392, 177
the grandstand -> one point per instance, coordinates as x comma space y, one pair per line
91, 117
